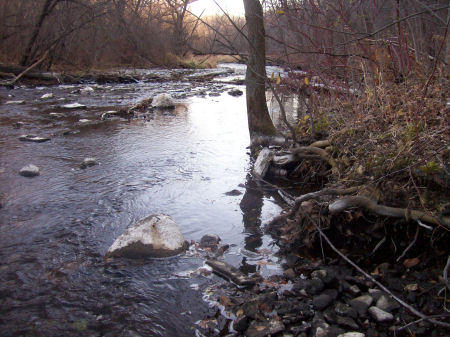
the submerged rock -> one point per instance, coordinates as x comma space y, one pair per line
29, 171
88, 162
154, 236
47, 96
33, 138
74, 106
163, 101
209, 240
235, 92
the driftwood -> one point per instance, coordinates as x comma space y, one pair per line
371, 205
231, 273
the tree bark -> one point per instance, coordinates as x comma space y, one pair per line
259, 121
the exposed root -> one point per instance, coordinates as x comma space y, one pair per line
371, 205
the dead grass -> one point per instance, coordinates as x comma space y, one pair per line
392, 138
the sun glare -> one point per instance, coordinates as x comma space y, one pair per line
209, 7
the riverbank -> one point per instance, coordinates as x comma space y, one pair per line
367, 254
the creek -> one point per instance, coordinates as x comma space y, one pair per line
56, 228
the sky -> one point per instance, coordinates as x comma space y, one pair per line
233, 7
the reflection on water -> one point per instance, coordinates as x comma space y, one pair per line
55, 228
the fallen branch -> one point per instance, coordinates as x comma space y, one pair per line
371, 205
23, 73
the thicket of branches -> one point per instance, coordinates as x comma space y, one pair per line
87, 33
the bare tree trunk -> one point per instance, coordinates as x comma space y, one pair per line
259, 121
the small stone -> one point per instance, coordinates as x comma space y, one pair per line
74, 106
361, 303
354, 290
305, 327
47, 96
33, 138
386, 304
86, 89
233, 193
241, 323
163, 101
322, 301
352, 334
262, 329
380, 315
29, 171
17, 125
412, 287
88, 162
322, 331
375, 293
209, 240
290, 274
347, 322
235, 92
345, 310
331, 292
314, 286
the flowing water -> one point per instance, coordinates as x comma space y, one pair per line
56, 228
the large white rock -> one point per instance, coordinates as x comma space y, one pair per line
155, 236
163, 101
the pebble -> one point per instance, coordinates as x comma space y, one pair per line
354, 290
88, 162
352, 334
345, 310
361, 303
322, 301
74, 106
47, 96
209, 240
33, 138
29, 171
347, 322
384, 303
380, 315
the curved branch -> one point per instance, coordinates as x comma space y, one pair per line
371, 205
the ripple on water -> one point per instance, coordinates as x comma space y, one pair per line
55, 228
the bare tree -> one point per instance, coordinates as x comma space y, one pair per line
259, 121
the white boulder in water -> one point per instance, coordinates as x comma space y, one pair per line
163, 101
154, 236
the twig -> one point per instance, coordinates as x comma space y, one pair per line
410, 245
445, 273
420, 320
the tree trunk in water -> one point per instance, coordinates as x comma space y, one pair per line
259, 121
